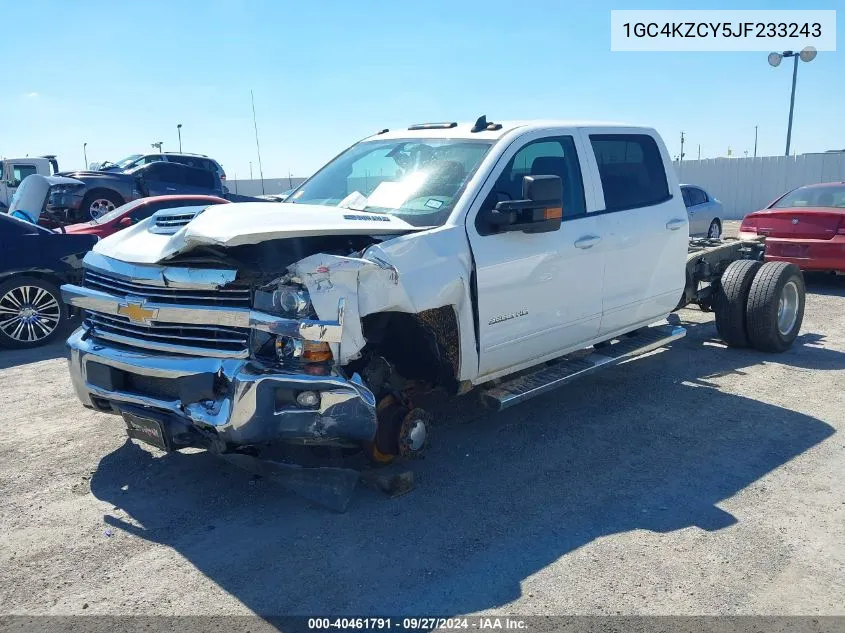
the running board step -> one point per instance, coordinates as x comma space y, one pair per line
569, 368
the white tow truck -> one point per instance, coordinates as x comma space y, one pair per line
504, 258
14, 170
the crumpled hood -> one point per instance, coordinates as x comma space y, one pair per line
89, 176
236, 224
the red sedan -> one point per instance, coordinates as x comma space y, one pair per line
805, 227
137, 210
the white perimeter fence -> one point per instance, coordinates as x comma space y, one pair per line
748, 184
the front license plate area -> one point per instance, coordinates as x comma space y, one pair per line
147, 429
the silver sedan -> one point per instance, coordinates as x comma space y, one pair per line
704, 211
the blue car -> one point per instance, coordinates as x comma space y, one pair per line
34, 262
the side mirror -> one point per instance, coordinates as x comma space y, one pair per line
540, 210
125, 221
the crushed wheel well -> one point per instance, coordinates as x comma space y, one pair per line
423, 346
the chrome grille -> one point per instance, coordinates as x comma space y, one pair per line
237, 297
196, 339
168, 222
170, 337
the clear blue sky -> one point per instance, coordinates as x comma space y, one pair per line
121, 75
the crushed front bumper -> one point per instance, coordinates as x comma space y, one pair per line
232, 402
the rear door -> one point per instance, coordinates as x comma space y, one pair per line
643, 226
161, 179
539, 294
201, 181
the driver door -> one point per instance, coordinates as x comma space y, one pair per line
539, 294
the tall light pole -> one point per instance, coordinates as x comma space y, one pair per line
85, 154
257, 148
808, 54
157, 145
179, 132
755, 141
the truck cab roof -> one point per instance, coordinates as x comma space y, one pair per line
494, 131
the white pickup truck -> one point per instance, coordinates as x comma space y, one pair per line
14, 170
507, 257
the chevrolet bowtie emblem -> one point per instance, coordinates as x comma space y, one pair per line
137, 313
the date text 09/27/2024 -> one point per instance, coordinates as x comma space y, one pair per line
417, 623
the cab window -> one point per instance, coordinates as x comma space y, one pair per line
543, 157
19, 172
631, 170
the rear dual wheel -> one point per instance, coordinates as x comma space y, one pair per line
760, 305
775, 307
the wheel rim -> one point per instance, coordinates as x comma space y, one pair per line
29, 314
713, 233
100, 207
788, 308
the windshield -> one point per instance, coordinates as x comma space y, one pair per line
126, 163
824, 196
418, 180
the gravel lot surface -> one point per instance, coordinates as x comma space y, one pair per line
696, 480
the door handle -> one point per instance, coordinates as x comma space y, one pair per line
588, 241
171, 188
675, 224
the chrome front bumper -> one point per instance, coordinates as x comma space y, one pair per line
240, 401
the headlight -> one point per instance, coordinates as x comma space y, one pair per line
293, 349
288, 301
292, 300
64, 188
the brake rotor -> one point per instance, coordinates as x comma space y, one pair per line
413, 433
401, 431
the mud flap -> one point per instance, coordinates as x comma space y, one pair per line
330, 487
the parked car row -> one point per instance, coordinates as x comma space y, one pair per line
805, 226
92, 194
197, 161
35, 261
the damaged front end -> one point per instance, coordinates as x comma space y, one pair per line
234, 361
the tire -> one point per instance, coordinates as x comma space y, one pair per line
714, 232
729, 301
98, 202
45, 318
775, 307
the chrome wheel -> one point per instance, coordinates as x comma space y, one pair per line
29, 314
788, 308
715, 230
100, 207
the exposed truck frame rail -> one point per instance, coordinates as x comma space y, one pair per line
708, 259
